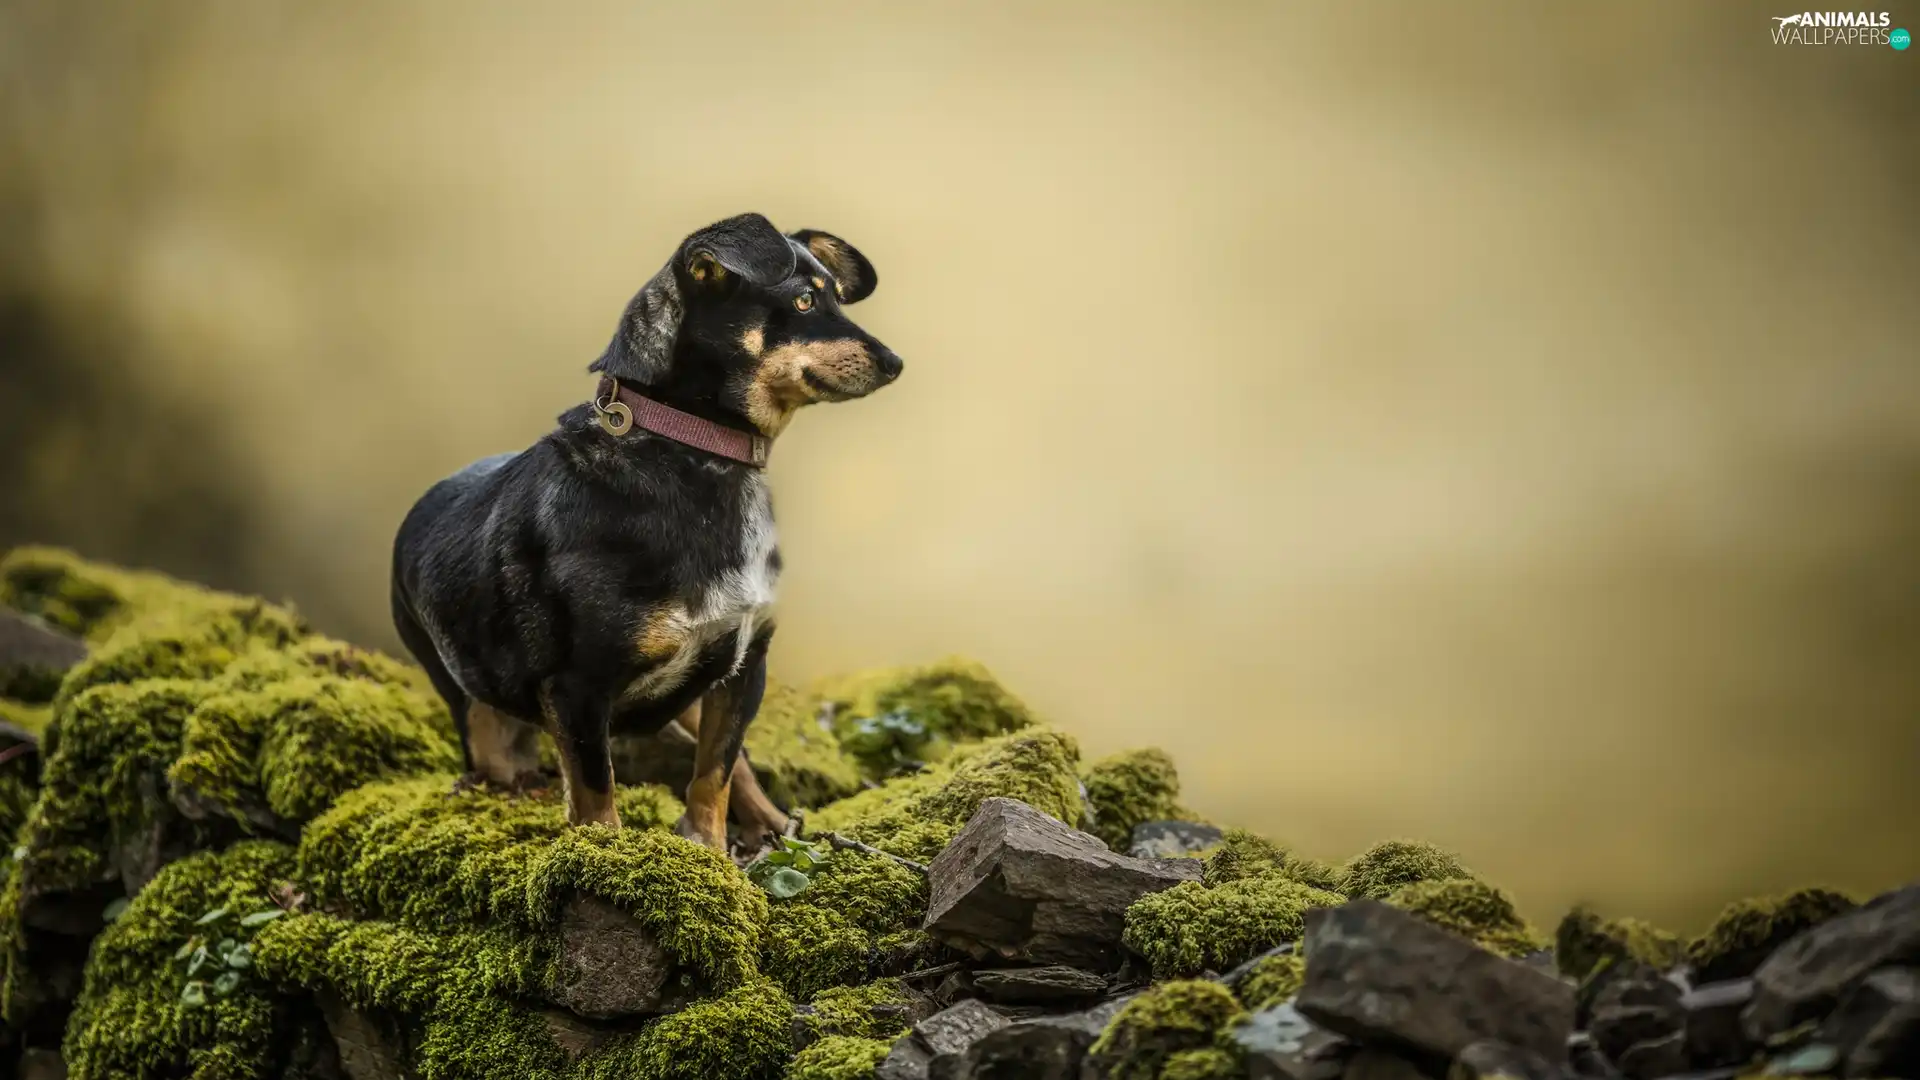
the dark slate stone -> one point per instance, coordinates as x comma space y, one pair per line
1714, 1035
1053, 984
1171, 839
1877, 1026
1805, 978
1045, 1048
933, 1049
1280, 1043
1487, 1060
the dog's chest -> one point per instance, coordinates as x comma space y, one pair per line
738, 600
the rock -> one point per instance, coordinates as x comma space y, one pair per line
939, 1040
1053, 984
1714, 1035
1280, 1043
609, 965
1635, 1017
1813, 1059
1805, 978
1018, 884
370, 1048
1170, 839
1047, 1048
575, 1037
41, 1064
1648, 1059
1377, 974
1877, 1026
1233, 979
33, 657
1586, 1060
1372, 1063
1486, 1060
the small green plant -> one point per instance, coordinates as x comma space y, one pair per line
787, 870
214, 966
894, 738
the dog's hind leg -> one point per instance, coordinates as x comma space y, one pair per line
577, 719
415, 638
502, 750
725, 712
751, 807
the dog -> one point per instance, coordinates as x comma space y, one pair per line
618, 576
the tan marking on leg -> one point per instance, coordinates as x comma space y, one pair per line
504, 749
710, 791
584, 805
756, 812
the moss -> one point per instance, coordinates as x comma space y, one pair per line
887, 716
301, 743
798, 760
1381, 869
916, 815
1241, 855
838, 1057
408, 850
1748, 930
1583, 940
878, 1010
25, 715
85, 598
1211, 1063
1473, 909
1170, 1019
130, 1020
807, 948
1273, 980
1129, 788
746, 1033
1194, 927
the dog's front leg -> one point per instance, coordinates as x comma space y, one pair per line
725, 712
577, 717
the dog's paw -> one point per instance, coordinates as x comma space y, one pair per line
469, 782
532, 783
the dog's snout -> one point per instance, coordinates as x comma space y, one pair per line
888, 362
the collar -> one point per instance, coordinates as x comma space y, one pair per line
620, 409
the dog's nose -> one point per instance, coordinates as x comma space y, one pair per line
889, 363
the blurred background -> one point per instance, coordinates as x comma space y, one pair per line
1493, 424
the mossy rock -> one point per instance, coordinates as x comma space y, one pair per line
1747, 931
1583, 941
1473, 909
839, 1057
890, 716
798, 760
1273, 980
88, 599
876, 1010
1178, 1019
1195, 927
1130, 788
808, 948
1385, 867
132, 1019
1242, 855
1207, 1063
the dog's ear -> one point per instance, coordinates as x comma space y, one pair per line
748, 245
853, 275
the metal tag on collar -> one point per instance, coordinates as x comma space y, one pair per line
759, 443
614, 416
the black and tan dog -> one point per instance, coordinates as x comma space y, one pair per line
618, 576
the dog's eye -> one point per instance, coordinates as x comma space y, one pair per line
803, 302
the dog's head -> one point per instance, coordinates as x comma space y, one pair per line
754, 321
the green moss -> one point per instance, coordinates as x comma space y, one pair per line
746, 1033
1273, 980
301, 743
192, 643
1748, 930
25, 714
1473, 909
1129, 788
1583, 940
891, 715
1194, 927
798, 761
410, 851
1170, 1019
1381, 869
1241, 855
878, 1010
916, 815
130, 1021
1211, 1063
86, 598
807, 948
838, 1057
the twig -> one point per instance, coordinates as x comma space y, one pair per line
928, 973
848, 844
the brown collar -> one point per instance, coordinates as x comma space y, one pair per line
620, 409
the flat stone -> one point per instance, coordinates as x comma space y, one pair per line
34, 656
1639, 1024
1280, 1043
939, 1041
1020, 885
371, 1048
1714, 1035
1372, 1063
1586, 1060
1487, 1060
1877, 1026
1053, 984
575, 1037
1171, 839
1805, 978
609, 965
1379, 975
1652, 1058
1044, 1048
